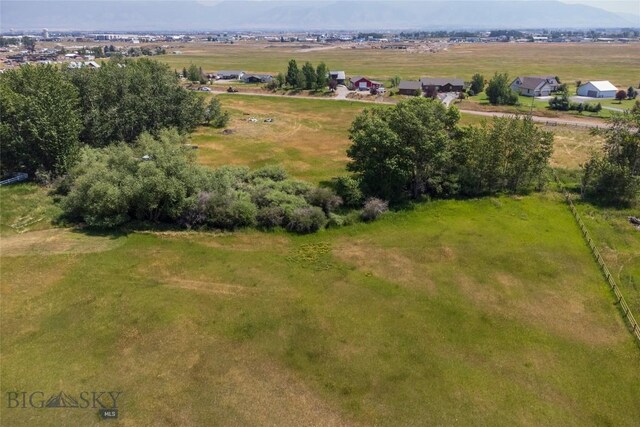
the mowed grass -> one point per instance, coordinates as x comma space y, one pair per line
482, 312
587, 61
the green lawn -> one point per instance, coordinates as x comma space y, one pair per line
527, 104
25, 207
478, 312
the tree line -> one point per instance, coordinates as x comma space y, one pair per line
417, 149
305, 78
48, 113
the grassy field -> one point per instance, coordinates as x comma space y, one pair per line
568, 61
310, 137
470, 312
458, 312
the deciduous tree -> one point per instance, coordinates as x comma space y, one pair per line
40, 120
499, 92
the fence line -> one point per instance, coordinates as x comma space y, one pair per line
627, 315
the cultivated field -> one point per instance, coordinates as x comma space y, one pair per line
462, 312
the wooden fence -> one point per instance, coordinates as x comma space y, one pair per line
624, 307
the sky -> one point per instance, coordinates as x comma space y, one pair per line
616, 6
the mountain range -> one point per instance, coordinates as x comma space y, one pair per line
303, 15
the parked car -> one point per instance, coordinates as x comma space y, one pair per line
232, 89
205, 89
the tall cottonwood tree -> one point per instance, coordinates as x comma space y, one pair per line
405, 150
122, 99
40, 120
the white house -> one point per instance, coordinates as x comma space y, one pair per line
535, 85
598, 89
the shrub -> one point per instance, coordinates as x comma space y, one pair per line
609, 183
272, 172
373, 208
270, 216
324, 198
194, 213
306, 220
230, 211
294, 187
348, 189
335, 221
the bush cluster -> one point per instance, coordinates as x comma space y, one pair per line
612, 177
562, 103
156, 180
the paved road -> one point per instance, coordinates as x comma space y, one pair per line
553, 121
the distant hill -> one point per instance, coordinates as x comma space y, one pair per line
299, 15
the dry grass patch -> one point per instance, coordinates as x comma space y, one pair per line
572, 147
565, 311
394, 264
212, 381
56, 241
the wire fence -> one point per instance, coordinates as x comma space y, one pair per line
622, 303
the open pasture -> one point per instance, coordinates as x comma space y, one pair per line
585, 61
457, 312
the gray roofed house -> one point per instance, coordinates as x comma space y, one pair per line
229, 74
531, 86
257, 78
410, 87
442, 84
552, 80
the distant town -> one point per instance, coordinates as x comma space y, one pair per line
17, 47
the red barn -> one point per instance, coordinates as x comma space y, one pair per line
363, 83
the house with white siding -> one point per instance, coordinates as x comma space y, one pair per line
534, 85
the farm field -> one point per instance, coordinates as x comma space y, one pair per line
485, 311
570, 62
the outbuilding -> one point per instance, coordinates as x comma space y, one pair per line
229, 75
338, 76
598, 89
363, 83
